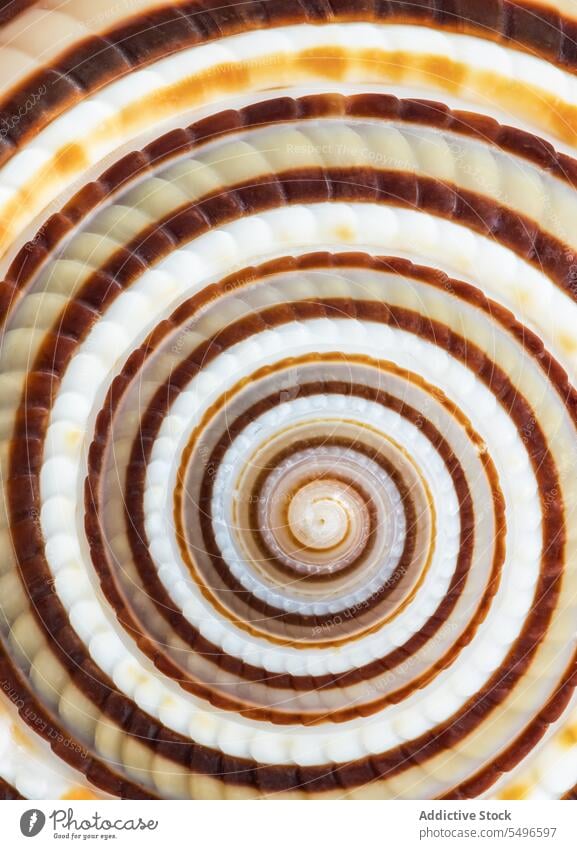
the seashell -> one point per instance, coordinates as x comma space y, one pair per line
287, 400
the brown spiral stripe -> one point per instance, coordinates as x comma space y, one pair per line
8, 792
287, 402
112, 54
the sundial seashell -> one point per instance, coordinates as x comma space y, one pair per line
287, 399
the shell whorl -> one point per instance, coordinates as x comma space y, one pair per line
287, 402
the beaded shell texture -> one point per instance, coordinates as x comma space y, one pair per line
288, 425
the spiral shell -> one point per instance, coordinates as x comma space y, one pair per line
287, 405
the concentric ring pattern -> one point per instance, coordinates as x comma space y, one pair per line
288, 422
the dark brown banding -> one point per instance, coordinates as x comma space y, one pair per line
10, 9
140, 750
315, 185
136, 470
147, 568
41, 720
156, 591
524, 648
8, 792
135, 510
256, 494
536, 347
571, 793
545, 472
380, 106
522, 745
